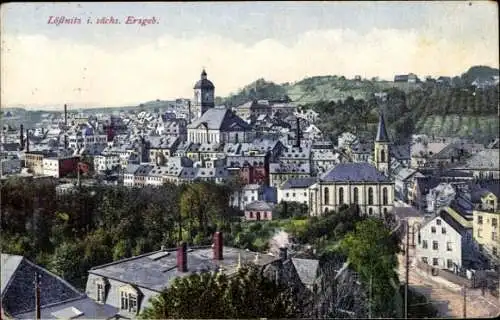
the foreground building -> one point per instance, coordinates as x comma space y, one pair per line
58, 299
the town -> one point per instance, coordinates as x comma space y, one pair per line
441, 192
250, 160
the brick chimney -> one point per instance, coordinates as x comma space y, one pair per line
218, 246
182, 257
283, 253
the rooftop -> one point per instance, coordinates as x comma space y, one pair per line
354, 172
157, 270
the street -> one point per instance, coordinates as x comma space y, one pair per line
446, 296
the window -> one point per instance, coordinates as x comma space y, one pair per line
341, 195
424, 260
443, 230
265, 214
355, 195
385, 199
433, 229
479, 233
370, 211
435, 245
100, 292
479, 219
250, 215
449, 264
448, 246
424, 244
495, 253
494, 236
438, 222
434, 261
327, 196
370, 196
293, 194
494, 222
305, 194
287, 195
382, 155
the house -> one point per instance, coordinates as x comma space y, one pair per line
295, 190
248, 194
60, 166
418, 188
259, 210
440, 196
323, 160
162, 145
484, 164
402, 182
219, 125
352, 183
280, 172
58, 299
253, 109
129, 284
312, 132
106, 162
486, 222
360, 152
442, 243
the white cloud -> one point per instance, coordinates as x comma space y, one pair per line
38, 70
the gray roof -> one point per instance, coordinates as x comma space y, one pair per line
486, 159
85, 306
158, 273
354, 172
298, 183
204, 83
18, 291
382, 135
220, 119
307, 269
259, 206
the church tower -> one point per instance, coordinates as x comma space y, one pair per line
381, 157
204, 95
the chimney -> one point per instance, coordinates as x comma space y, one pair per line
298, 132
21, 138
65, 116
182, 257
218, 246
283, 253
189, 112
27, 140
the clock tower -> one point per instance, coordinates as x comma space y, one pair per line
204, 95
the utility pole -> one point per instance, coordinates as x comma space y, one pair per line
465, 301
37, 296
407, 266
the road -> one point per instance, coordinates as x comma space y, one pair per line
446, 296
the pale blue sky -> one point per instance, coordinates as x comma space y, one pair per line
234, 41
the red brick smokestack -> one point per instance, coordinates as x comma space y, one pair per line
182, 257
218, 246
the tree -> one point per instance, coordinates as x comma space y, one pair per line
371, 250
246, 294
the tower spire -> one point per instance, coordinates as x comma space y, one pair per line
382, 135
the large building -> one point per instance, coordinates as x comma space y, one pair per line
486, 223
352, 183
219, 125
204, 95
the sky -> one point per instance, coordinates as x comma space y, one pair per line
45, 64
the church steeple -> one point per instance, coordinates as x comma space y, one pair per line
381, 152
382, 135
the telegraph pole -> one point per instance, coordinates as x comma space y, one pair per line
37, 297
465, 301
407, 266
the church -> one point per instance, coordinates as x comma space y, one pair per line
214, 125
364, 184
